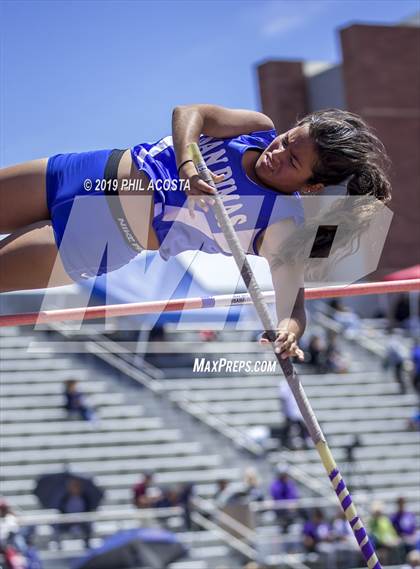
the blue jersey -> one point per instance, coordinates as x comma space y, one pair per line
251, 207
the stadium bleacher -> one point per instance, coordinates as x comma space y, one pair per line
136, 432
37, 437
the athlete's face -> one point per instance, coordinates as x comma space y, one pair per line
286, 164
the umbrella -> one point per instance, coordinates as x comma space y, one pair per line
133, 549
52, 488
404, 274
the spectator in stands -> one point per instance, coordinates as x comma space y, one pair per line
318, 538
9, 525
207, 335
168, 498
181, 496
346, 318
334, 361
283, 490
283, 487
156, 353
74, 501
246, 491
185, 500
74, 402
12, 558
252, 485
414, 421
413, 560
383, 534
401, 311
415, 359
316, 530
15, 542
316, 351
221, 486
292, 417
157, 333
340, 527
394, 359
404, 523
144, 494
343, 539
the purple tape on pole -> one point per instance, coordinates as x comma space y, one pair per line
208, 302
346, 502
367, 550
360, 535
333, 474
340, 487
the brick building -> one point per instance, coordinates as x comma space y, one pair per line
379, 78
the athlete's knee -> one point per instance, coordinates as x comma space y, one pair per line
29, 259
23, 195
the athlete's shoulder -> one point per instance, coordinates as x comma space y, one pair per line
258, 137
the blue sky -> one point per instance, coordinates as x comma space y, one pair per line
82, 75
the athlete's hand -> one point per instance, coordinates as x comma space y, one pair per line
199, 192
285, 344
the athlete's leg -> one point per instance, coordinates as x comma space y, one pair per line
29, 259
23, 198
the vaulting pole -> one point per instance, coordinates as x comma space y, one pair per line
292, 378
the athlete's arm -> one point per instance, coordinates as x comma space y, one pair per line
288, 283
189, 121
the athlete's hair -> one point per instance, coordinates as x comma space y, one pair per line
348, 151
347, 148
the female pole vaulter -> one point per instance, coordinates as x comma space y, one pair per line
261, 174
